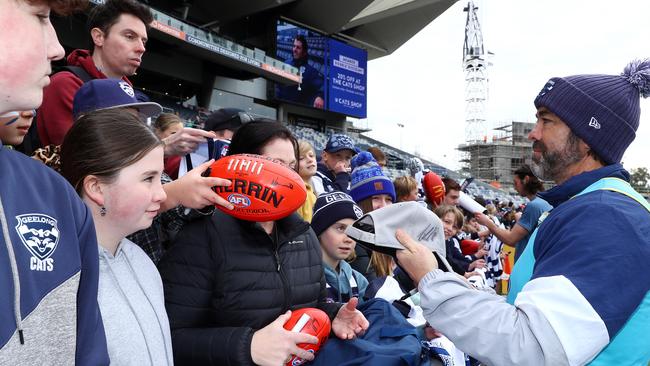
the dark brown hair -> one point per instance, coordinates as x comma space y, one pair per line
106, 15
450, 184
102, 143
533, 185
251, 137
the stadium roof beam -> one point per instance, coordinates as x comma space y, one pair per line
389, 27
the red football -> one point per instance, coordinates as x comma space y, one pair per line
311, 321
468, 246
433, 187
261, 189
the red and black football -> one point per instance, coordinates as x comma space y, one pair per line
434, 188
311, 321
261, 189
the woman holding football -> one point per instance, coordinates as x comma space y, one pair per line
230, 284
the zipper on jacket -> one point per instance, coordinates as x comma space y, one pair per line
283, 277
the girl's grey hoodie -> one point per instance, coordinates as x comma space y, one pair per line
133, 308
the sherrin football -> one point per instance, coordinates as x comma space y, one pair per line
311, 321
434, 188
260, 190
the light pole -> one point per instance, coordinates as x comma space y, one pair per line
401, 129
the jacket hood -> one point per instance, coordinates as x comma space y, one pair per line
576, 184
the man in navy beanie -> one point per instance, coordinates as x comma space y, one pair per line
579, 293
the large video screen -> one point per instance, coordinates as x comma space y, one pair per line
307, 51
334, 74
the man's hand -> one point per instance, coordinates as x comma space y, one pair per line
274, 345
186, 141
349, 321
477, 264
483, 219
195, 191
341, 167
481, 253
416, 259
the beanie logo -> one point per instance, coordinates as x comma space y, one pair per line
547, 88
127, 89
379, 186
357, 211
593, 122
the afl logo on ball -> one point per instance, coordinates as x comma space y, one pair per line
239, 200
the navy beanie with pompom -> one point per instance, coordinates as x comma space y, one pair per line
367, 178
603, 110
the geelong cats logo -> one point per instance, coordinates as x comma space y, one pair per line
40, 235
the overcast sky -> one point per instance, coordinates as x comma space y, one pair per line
422, 86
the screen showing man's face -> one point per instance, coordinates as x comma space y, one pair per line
298, 50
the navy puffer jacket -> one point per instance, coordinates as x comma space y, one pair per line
225, 278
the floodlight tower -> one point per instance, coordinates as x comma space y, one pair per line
476, 79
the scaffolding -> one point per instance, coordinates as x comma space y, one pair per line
497, 159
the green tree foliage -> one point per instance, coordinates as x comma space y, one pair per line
639, 179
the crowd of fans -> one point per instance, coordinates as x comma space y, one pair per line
144, 271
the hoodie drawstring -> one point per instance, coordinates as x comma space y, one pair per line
14, 272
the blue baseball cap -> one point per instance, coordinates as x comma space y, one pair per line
101, 94
338, 142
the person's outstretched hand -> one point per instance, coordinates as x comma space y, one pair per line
193, 190
349, 321
186, 141
274, 345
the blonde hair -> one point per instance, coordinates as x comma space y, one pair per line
404, 185
442, 211
304, 147
165, 120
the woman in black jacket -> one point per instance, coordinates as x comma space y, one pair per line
229, 284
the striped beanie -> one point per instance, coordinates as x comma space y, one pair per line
367, 178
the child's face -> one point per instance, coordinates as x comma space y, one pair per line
381, 200
335, 243
340, 157
449, 225
14, 128
307, 165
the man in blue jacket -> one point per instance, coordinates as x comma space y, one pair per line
580, 293
48, 247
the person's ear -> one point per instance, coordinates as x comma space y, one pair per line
98, 37
93, 190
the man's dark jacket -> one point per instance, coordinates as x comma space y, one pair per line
225, 278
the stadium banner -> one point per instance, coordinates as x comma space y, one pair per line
168, 30
223, 51
347, 79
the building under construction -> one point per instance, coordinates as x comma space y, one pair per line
495, 161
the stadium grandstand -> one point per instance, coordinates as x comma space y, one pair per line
204, 55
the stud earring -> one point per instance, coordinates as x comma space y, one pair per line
102, 211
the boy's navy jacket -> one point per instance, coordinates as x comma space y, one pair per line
325, 181
49, 269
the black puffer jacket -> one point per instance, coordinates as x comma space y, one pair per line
225, 278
